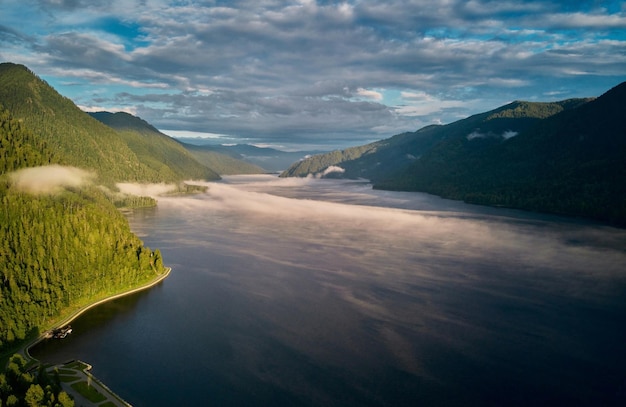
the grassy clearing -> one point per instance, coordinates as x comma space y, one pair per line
108, 404
77, 365
68, 379
88, 392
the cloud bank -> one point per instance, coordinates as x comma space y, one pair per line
505, 136
447, 235
49, 179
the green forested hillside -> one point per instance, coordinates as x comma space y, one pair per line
19, 147
168, 158
60, 252
59, 249
570, 163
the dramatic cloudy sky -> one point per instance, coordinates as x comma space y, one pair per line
303, 73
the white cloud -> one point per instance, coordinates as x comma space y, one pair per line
152, 190
194, 134
49, 179
423, 104
91, 109
477, 134
369, 94
585, 20
332, 169
508, 134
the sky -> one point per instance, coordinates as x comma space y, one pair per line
309, 74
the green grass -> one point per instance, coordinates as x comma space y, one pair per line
76, 366
68, 378
88, 392
66, 371
108, 404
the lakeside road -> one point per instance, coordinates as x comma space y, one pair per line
24, 351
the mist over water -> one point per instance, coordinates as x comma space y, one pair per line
324, 292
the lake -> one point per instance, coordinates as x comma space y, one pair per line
309, 292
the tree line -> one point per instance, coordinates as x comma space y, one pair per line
21, 387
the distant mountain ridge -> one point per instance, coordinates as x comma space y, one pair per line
268, 158
566, 157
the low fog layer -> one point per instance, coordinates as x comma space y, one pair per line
362, 287
153, 190
49, 179
441, 234
289, 287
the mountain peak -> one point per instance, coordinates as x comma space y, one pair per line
123, 121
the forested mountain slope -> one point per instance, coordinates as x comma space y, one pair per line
166, 156
62, 242
571, 163
74, 136
563, 157
163, 149
381, 159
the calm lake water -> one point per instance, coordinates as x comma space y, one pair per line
304, 292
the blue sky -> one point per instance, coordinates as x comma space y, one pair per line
303, 74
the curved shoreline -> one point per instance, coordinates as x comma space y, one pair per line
26, 348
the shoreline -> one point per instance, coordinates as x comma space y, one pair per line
110, 396
25, 350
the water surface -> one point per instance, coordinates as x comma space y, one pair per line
302, 292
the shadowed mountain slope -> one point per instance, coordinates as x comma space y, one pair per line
561, 157
381, 159
570, 163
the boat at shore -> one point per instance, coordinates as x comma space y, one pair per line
61, 333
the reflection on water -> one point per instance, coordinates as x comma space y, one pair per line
318, 292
